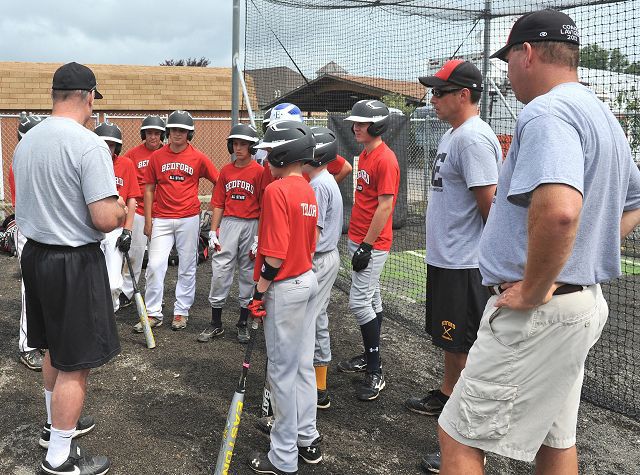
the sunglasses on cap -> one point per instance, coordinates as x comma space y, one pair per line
436, 92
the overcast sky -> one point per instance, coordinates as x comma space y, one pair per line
116, 31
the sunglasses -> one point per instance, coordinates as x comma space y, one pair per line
443, 92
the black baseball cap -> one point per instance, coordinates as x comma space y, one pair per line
543, 25
455, 72
75, 77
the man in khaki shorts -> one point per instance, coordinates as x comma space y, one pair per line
553, 234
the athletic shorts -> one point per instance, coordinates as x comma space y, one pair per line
69, 307
455, 301
520, 388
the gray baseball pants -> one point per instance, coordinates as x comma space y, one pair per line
364, 297
325, 266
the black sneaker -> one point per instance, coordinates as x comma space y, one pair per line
324, 401
32, 359
371, 386
78, 463
264, 424
243, 334
357, 364
431, 462
209, 333
311, 454
430, 405
260, 463
124, 301
84, 426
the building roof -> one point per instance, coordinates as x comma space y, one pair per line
273, 83
26, 86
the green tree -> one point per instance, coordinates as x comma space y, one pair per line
618, 61
397, 101
629, 104
594, 57
633, 68
200, 63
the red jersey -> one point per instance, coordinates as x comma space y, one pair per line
12, 186
140, 157
176, 176
287, 228
334, 167
378, 174
266, 179
126, 180
238, 190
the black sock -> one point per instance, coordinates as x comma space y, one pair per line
379, 318
216, 317
371, 339
244, 315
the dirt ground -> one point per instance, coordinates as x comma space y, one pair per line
162, 411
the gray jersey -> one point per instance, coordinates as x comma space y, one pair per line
467, 157
566, 136
330, 210
61, 167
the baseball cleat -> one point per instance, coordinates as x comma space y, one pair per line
356, 364
324, 401
371, 386
153, 322
430, 405
32, 359
179, 322
311, 454
209, 333
260, 463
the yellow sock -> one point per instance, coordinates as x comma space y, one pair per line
321, 377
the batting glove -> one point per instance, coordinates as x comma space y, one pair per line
124, 241
361, 257
214, 244
254, 249
256, 305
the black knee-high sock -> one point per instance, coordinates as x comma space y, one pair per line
244, 314
379, 318
371, 338
216, 317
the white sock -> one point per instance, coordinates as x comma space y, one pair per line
47, 401
59, 446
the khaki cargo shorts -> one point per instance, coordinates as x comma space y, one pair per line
521, 385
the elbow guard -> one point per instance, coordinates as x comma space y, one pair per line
268, 272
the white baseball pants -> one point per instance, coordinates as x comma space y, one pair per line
113, 258
21, 239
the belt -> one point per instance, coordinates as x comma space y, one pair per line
563, 289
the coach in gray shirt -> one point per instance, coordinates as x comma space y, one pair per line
567, 192
66, 200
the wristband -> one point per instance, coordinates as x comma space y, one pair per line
269, 272
257, 295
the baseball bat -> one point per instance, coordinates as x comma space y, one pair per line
142, 308
235, 412
266, 409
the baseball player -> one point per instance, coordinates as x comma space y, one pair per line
118, 241
30, 357
152, 133
568, 191
235, 208
370, 237
172, 215
285, 297
460, 195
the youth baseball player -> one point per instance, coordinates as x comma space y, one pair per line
235, 208
118, 241
460, 195
30, 357
370, 237
568, 191
172, 215
152, 133
285, 298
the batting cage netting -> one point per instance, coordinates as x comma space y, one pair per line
324, 55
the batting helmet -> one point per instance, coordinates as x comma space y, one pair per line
110, 133
326, 146
181, 120
266, 119
152, 122
244, 132
373, 112
290, 141
27, 123
285, 111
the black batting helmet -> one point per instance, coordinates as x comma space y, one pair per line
152, 122
266, 119
290, 141
110, 133
326, 146
244, 132
27, 122
373, 112
181, 120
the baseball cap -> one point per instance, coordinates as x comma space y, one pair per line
543, 25
455, 72
75, 77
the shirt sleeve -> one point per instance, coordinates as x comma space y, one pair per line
96, 175
132, 179
219, 194
387, 176
322, 198
479, 164
632, 200
335, 166
274, 237
550, 151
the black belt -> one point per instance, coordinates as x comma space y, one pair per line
563, 289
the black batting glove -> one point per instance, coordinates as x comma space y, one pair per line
124, 241
361, 257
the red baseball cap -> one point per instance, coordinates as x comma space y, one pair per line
455, 72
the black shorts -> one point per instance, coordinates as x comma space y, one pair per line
69, 306
455, 301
